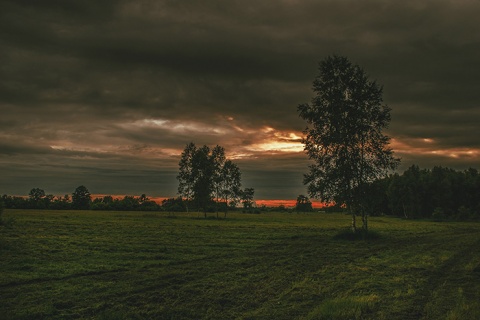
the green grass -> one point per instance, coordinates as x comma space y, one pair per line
134, 265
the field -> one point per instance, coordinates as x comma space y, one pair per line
134, 265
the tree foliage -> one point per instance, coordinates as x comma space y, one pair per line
440, 193
203, 174
303, 204
344, 135
230, 183
218, 161
206, 177
247, 196
185, 175
81, 198
127, 203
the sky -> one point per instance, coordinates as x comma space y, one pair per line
107, 93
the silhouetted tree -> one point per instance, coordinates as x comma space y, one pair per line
345, 139
218, 161
247, 199
36, 194
303, 204
185, 175
174, 205
146, 204
230, 184
61, 203
81, 198
36, 197
203, 169
205, 175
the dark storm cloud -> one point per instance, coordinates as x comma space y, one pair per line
122, 86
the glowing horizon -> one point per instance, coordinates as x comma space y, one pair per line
288, 203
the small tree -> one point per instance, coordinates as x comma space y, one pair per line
81, 198
303, 204
36, 198
345, 140
247, 199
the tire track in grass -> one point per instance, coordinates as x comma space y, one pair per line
445, 276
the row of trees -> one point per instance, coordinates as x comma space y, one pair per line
439, 193
208, 180
80, 199
38, 199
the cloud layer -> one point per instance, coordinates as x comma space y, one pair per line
107, 93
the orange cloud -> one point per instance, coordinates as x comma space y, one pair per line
428, 146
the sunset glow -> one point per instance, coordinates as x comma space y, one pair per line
287, 203
277, 146
110, 93
277, 141
268, 203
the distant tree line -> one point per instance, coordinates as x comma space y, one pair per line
38, 199
80, 199
440, 193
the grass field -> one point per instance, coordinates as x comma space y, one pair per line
134, 265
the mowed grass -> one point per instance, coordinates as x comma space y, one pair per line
134, 265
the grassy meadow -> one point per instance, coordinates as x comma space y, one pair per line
135, 265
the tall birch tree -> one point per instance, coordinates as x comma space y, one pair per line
185, 176
344, 138
230, 183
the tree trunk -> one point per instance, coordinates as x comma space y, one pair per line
365, 222
226, 207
